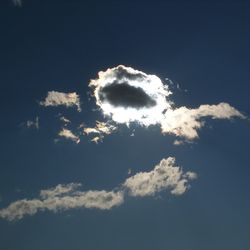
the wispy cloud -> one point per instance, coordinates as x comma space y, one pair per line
91, 199
100, 130
32, 123
17, 3
55, 98
59, 190
165, 176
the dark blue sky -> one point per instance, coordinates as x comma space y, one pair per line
61, 45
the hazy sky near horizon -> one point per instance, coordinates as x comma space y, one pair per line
125, 125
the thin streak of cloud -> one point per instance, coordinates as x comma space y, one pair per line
33, 123
165, 176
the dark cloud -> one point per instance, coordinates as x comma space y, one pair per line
125, 95
122, 73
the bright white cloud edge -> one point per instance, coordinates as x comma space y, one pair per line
181, 122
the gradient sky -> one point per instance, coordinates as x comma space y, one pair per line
50, 45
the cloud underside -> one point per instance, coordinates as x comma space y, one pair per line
126, 96
55, 98
165, 176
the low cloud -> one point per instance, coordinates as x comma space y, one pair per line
55, 99
165, 176
68, 134
184, 122
126, 96
64, 120
103, 200
99, 131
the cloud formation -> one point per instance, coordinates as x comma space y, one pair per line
55, 98
68, 134
165, 176
184, 122
126, 96
100, 130
91, 199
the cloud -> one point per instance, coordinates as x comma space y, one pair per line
165, 175
55, 99
17, 3
126, 96
100, 130
178, 142
184, 122
64, 120
68, 134
103, 200
59, 190
33, 123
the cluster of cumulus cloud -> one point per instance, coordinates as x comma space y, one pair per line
126, 96
165, 176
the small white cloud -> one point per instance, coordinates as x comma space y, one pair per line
64, 120
100, 130
97, 139
33, 123
68, 134
178, 142
55, 98
165, 175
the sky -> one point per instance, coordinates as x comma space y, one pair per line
125, 125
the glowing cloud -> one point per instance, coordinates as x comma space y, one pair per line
126, 95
